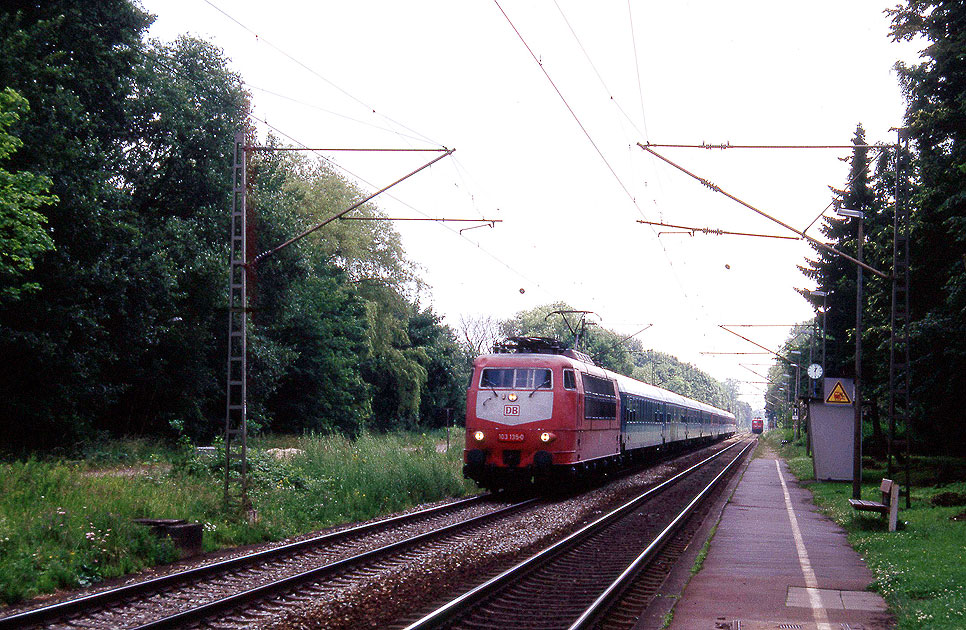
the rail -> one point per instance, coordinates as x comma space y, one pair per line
104, 598
456, 607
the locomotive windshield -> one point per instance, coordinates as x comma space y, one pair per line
516, 378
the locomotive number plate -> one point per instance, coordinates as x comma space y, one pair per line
510, 437
511, 410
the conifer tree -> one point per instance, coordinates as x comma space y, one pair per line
936, 120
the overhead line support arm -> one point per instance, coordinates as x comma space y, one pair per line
754, 343
299, 237
728, 145
801, 234
712, 230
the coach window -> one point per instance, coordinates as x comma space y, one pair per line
570, 381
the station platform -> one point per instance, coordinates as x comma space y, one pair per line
776, 563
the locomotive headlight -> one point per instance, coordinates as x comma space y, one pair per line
478, 436
512, 397
547, 437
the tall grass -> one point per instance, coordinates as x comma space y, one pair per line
60, 528
70, 523
337, 480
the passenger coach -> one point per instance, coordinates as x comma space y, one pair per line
542, 412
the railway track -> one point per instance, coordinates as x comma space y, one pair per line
374, 575
600, 575
184, 598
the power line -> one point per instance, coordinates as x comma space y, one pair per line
754, 343
760, 325
439, 220
459, 234
373, 110
570, 109
599, 152
163, 63
715, 231
313, 71
810, 239
600, 78
637, 66
349, 149
728, 145
849, 183
333, 113
352, 207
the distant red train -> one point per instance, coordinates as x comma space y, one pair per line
757, 425
539, 412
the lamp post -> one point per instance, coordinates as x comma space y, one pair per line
824, 296
796, 416
791, 402
857, 427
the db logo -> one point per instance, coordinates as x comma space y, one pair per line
511, 410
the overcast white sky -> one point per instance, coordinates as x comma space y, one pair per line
425, 74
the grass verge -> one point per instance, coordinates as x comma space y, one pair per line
65, 524
920, 570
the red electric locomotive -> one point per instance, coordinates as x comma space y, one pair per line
542, 412
757, 425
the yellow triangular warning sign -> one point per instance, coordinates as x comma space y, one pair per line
838, 396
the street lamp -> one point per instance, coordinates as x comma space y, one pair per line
857, 428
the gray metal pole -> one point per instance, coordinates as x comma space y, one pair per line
857, 429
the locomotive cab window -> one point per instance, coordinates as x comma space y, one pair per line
570, 380
516, 378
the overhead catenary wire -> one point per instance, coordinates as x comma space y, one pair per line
600, 78
714, 231
570, 109
882, 146
333, 113
637, 66
849, 183
367, 106
530, 282
459, 234
339, 167
352, 207
802, 234
455, 161
728, 145
263, 40
315, 73
596, 147
754, 343
700, 307
346, 149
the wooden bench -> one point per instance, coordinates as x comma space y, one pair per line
889, 505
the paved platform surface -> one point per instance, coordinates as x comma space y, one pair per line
776, 563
